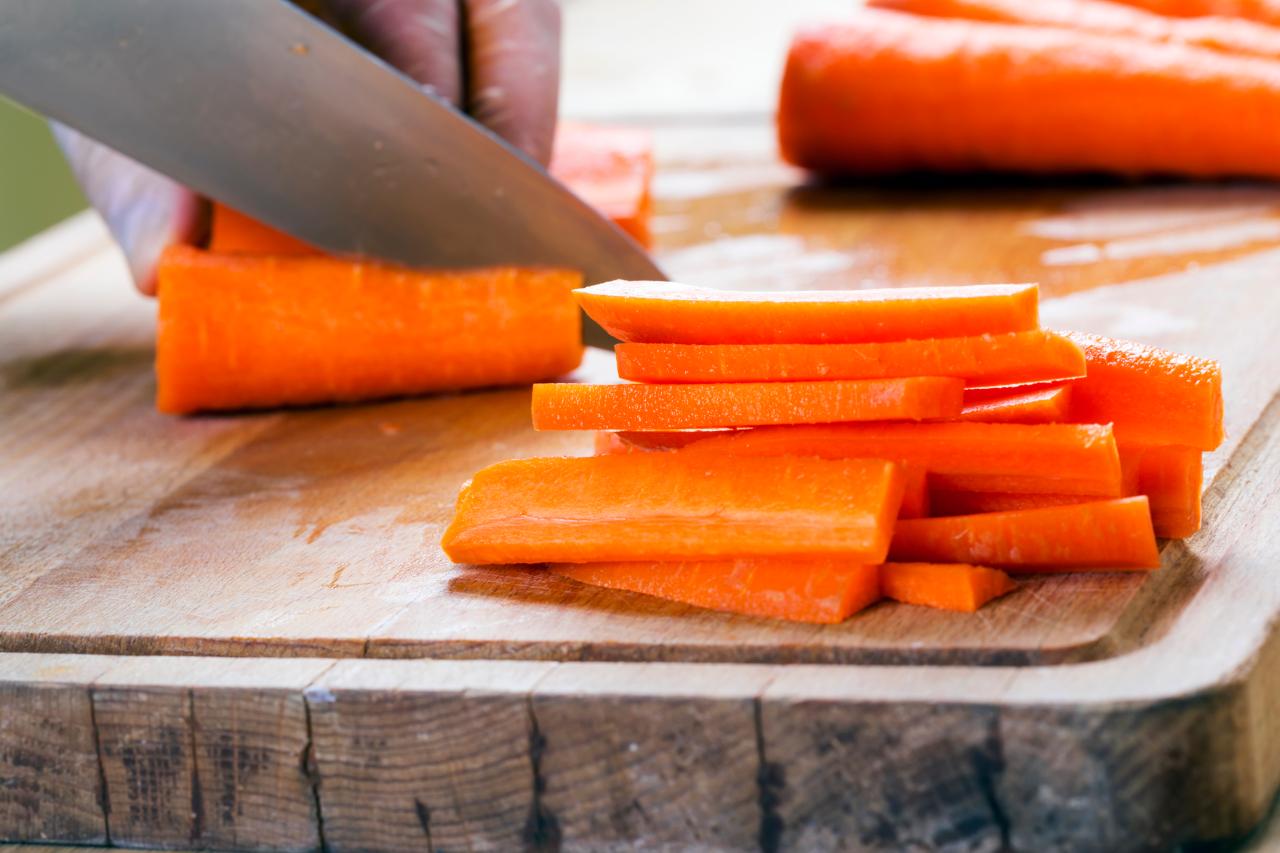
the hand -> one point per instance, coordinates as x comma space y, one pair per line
497, 59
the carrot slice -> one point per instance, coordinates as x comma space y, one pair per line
1171, 478
1043, 405
662, 312
826, 590
947, 586
676, 407
985, 360
611, 169
1265, 11
1114, 534
241, 331
672, 507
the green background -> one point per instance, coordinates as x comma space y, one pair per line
36, 188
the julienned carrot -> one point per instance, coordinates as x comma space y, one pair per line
662, 312
885, 92
231, 232
238, 331
825, 590
610, 168
1265, 11
670, 507
1011, 359
676, 407
1042, 405
1171, 478
1112, 534
947, 586
1023, 458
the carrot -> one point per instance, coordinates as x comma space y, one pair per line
676, 407
231, 232
1171, 478
1113, 534
661, 312
886, 93
946, 502
823, 590
1011, 359
238, 331
915, 491
610, 168
1042, 405
1264, 11
1023, 458
672, 507
1152, 396
947, 586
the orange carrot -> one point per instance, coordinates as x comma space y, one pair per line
946, 502
232, 232
661, 312
825, 590
676, 407
884, 92
915, 491
947, 586
1112, 534
986, 360
240, 331
1042, 405
671, 507
610, 168
1171, 478
1264, 11
608, 443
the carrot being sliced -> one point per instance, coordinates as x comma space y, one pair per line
1264, 11
824, 590
678, 407
1042, 405
231, 232
611, 169
664, 312
1171, 478
669, 507
1114, 534
947, 586
241, 331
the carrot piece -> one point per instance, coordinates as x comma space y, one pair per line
1264, 11
1113, 534
242, 331
1046, 458
611, 169
1152, 396
1171, 478
231, 232
1041, 405
676, 407
947, 586
946, 502
662, 312
608, 443
1011, 359
915, 491
672, 507
885, 93
825, 590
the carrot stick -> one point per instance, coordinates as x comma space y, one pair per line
672, 507
1264, 11
915, 491
945, 502
1112, 534
231, 232
239, 331
676, 407
886, 93
608, 443
661, 312
947, 586
1043, 405
1171, 478
824, 590
986, 360
610, 168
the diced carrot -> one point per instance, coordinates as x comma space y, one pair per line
1265, 11
670, 507
677, 407
947, 586
823, 590
662, 312
985, 360
610, 168
241, 331
1171, 478
945, 502
1042, 405
233, 233
1114, 534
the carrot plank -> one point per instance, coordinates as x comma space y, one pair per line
663, 312
677, 407
1263, 11
1171, 478
231, 232
240, 331
946, 586
1043, 405
610, 168
825, 590
1114, 534
669, 507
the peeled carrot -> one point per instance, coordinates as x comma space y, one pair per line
1171, 478
610, 168
231, 232
947, 586
676, 407
1042, 405
1265, 11
238, 331
670, 507
884, 92
661, 312
823, 590
1114, 534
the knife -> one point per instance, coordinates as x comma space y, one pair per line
257, 104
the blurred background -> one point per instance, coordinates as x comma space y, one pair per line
36, 188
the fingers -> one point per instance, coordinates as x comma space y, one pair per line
422, 38
144, 210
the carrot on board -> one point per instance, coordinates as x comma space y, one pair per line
233, 233
1040, 405
664, 312
251, 331
1171, 478
815, 590
947, 586
1015, 358
670, 507
1264, 11
1115, 534
677, 407
883, 92
610, 168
